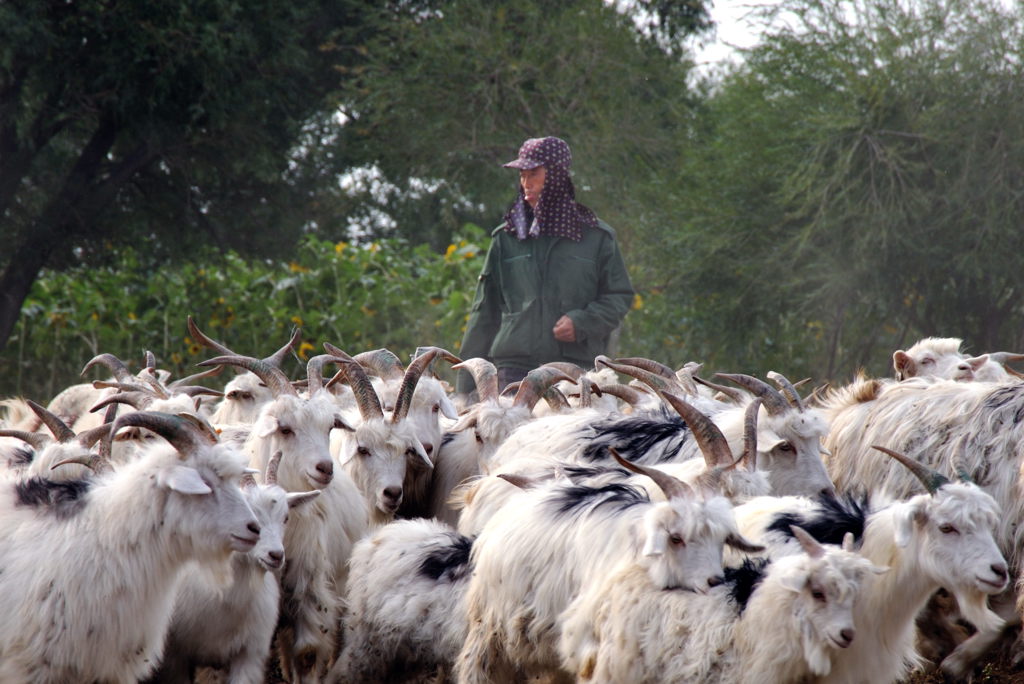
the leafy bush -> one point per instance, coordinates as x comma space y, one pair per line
357, 297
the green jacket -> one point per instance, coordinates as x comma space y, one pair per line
527, 285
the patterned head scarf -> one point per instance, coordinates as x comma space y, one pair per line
557, 213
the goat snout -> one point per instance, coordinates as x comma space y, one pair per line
324, 472
828, 492
391, 497
275, 559
715, 581
845, 637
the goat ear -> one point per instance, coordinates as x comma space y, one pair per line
657, 540
266, 426
340, 424
183, 480
448, 409
908, 515
418, 446
299, 499
739, 543
793, 582
903, 364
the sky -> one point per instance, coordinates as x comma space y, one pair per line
733, 27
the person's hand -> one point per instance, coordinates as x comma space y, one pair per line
564, 330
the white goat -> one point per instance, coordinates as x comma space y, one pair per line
941, 539
90, 568
799, 614
231, 626
319, 540
405, 602
535, 555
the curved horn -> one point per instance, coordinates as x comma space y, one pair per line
199, 336
1004, 358
190, 379
931, 479
735, 396
137, 400
36, 440
61, 432
315, 371
570, 369
149, 360
278, 357
749, 458
535, 384
787, 389
485, 375
381, 362
366, 397
179, 432
556, 400
672, 488
114, 364
709, 438
412, 378
649, 365
271, 376
88, 438
656, 382
588, 388
809, 544
774, 402
272, 465
626, 394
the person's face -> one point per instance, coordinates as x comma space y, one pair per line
532, 181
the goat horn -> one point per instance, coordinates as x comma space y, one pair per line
734, 395
787, 389
485, 375
1004, 357
653, 380
179, 432
709, 438
315, 371
588, 388
381, 362
649, 365
272, 376
278, 357
190, 379
626, 394
199, 336
520, 481
556, 400
272, 465
810, 545
114, 364
89, 437
750, 434
535, 384
673, 488
366, 397
570, 369
137, 400
774, 402
61, 432
36, 440
931, 479
412, 378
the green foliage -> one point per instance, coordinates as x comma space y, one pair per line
383, 294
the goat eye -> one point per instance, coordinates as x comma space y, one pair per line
676, 540
818, 595
362, 451
926, 361
287, 431
479, 439
786, 446
948, 529
437, 407
286, 520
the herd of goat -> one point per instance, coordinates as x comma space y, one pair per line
627, 523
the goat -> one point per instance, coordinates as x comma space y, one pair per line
786, 628
90, 567
535, 554
940, 539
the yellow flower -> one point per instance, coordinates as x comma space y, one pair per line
367, 311
340, 247
220, 300
638, 301
448, 252
435, 300
374, 248
95, 316
296, 267
470, 255
132, 316
303, 348
297, 321
176, 358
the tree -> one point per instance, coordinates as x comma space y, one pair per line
445, 97
861, 186
171, 122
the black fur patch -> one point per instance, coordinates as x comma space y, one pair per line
63, 499
578, 499
634, 438
1009, 395
21, 457
832, 519
743, 580
579, 474
448, 437
449, 563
